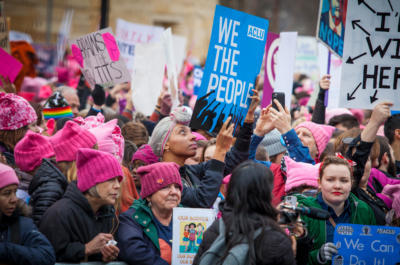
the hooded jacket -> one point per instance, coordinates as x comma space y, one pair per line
277, 246
201, 182
47, 186
33, 248
361, 213
70, 223
137, 233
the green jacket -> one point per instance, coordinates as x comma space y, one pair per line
144, 217
361, 213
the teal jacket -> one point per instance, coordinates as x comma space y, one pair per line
361, 213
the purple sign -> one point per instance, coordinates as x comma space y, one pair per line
271, 59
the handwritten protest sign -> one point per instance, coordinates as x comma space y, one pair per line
128, 34
189, 225
366, 244
98, 57
4, 39
370, 70
233, 62
197, 77
271, 60
332, 24
147, 76
9, 66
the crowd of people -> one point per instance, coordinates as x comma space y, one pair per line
85, 177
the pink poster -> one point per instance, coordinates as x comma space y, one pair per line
271, 59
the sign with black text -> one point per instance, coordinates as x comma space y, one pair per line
371, 57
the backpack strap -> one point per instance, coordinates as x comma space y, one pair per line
15, 232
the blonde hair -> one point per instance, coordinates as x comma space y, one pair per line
298, 122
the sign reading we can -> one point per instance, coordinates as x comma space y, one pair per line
233, 62
99, 58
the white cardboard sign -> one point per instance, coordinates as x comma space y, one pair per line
371, 55
189, 225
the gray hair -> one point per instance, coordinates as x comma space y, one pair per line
163, 129
66, 90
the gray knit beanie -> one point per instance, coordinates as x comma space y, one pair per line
164, 128
272, 143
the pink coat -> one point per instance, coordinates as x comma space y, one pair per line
384, 180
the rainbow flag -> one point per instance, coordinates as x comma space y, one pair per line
57, 113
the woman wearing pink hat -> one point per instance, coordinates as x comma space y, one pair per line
21, 242
81, 225
146, 228
16, 118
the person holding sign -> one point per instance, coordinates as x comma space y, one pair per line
173, 141
335, 181
145, 231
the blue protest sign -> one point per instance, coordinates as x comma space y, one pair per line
233, 62
197, 76
366, 244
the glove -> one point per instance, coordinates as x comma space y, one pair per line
326, 252
98, 95
166, 104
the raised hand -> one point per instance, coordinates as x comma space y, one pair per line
224, 140
281, 119
325, 82
264, 124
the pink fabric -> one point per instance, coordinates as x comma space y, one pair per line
226, 180
95, 121
27, 95
329, 114
50, 126
321, 134
145, 154
62, 74
34, 85
381, 177
8, 176
104, 137
31, 149
393, 191
300, 173
67, 141
156, 176
359, 114
199, 136
15, 112
94, 167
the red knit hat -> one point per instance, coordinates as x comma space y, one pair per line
31, 149
156, 176
95, 167
15, 112
67, 141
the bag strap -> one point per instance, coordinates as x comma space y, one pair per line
15, 232
332, 222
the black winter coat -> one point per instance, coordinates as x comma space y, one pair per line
276, 248
33, 247
47, 186
70, 223
206, 178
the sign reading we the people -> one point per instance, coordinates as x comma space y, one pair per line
233, 62
371, 56
189, 225
366, 244
332, 24
99, 58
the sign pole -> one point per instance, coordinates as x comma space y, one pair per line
328, 72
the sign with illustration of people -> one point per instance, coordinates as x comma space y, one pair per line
371, 55
233, 62
189, 225
332, 24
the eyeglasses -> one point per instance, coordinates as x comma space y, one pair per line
136, 166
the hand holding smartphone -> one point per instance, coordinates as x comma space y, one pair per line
280, 96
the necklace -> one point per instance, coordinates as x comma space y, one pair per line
375, 200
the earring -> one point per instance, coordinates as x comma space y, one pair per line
150, 204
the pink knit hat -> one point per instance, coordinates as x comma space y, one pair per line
31, 149
7, 176
156, 176
95, 167
393, 191
329, 114
67, 141
199, 136
146, 154
104, 137
300, 173
15, 112
321, 134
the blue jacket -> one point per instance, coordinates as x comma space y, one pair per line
33, 247
297, 151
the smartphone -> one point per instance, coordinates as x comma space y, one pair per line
292, 200
280, 96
